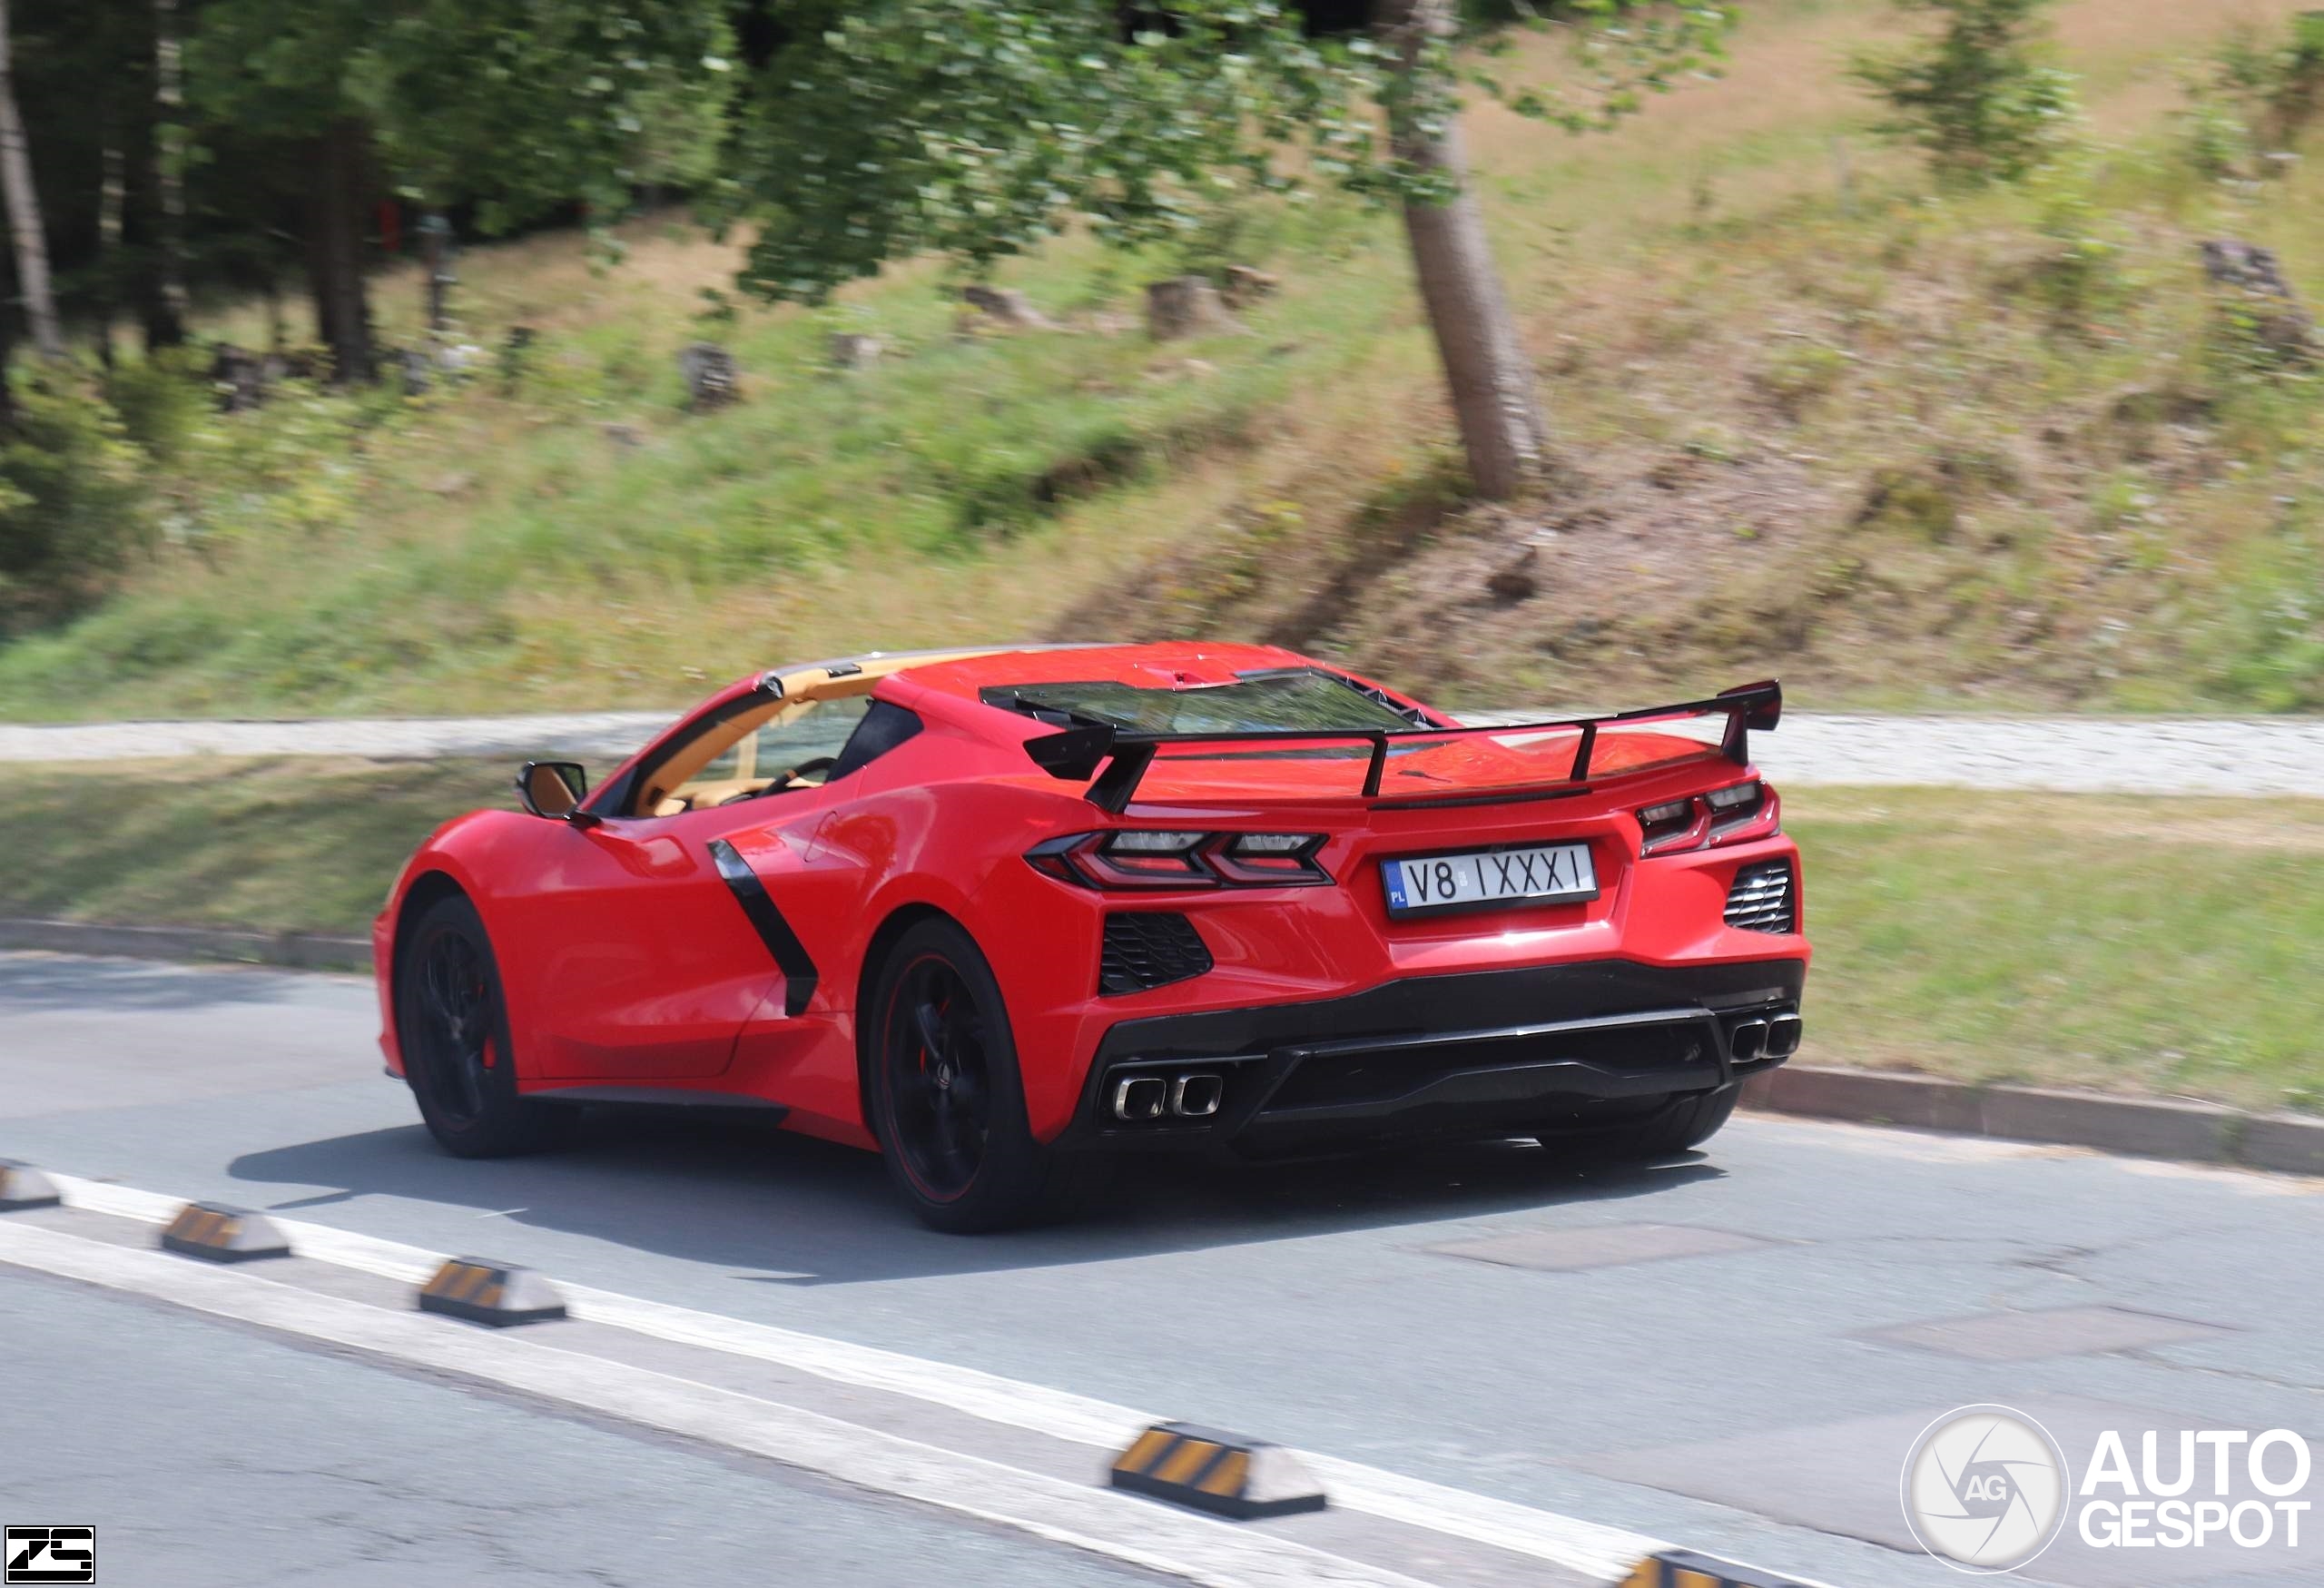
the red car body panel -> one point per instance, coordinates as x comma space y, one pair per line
626, 962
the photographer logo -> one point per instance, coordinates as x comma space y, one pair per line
50, 1554
1984, 1489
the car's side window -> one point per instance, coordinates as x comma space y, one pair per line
756, 753
881, 730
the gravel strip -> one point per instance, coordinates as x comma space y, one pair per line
605, 736
2147, 756
2150, 755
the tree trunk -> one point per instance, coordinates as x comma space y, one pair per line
112, 196
7, 355
1485, 367
437, 235
166, 320
24, 211
338, 170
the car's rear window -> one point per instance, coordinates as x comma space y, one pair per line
1254, 703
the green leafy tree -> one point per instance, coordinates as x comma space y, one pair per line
1977, 95
979, 128
517, 106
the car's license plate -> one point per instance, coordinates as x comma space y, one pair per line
1551, 873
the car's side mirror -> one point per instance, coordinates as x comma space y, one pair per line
552, 788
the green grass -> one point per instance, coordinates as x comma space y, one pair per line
2149, 946
290, 845
2160, 946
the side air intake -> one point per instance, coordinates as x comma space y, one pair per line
1149, 948
1760, 900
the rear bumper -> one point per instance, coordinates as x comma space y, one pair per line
1534, 1050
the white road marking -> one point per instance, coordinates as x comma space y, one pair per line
1099, 1520
1587, 1548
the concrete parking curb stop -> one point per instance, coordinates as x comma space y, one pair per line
297, 950
1685, 1569
497, 1295
22, 1187
1226, 1475
217, 1233
2193, 1132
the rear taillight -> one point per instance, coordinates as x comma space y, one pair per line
1735, 814
1674, 824
1259, 858
1159, 858
1144, 859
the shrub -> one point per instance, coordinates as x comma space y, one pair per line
292, 464
2080, 273
72, 509
2299, 78
160, 400
1975, 96
1800, 373
2214, 138
2258, 95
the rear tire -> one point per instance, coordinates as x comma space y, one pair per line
1687, 1120
945, 1098
452, 1025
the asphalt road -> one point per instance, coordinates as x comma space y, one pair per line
1734, 1350
207, 1456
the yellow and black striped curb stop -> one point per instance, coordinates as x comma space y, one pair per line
483, 1291
224, 1235
1677, 1568
1224, 1474
22, 1186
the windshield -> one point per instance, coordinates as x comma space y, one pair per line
1256, 703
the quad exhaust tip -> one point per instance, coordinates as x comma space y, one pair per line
1141, 1099
1196, 1097
1775, 1037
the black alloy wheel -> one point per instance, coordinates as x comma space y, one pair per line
944, 1095
456, 1028
939, 1078
452, 1028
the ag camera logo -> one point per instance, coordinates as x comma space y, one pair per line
1984, 1489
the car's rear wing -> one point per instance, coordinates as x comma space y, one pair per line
1082, 747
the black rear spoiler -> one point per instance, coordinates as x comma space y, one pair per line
1083, 747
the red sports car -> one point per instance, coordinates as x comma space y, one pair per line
998, 914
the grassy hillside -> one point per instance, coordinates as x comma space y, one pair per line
1901, 448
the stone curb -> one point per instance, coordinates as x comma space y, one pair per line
2140, 1127
301, 950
